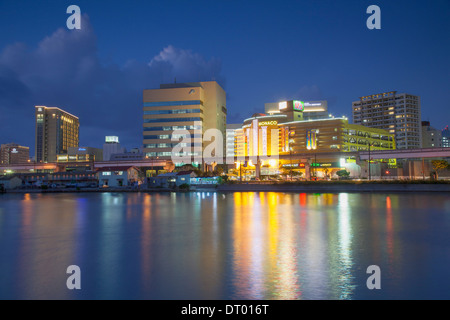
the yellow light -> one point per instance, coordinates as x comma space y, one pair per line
238, 164
250, 163
272, 163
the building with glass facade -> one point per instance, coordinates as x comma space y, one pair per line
191, 107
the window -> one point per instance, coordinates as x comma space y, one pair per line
172, 103
106, 173
179, 111
173, 119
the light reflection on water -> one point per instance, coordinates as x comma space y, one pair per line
243, 245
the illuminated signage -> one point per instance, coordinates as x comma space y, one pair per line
14, 150
268, 123
307, 104
311, 140
298, 165
326, 165
81, 149
282, 105
112, 139
298, 105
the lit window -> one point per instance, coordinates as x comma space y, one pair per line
106, 173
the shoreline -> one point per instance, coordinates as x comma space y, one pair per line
331, 187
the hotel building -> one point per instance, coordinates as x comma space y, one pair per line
56, 131
12, 153
195, 107
398, 113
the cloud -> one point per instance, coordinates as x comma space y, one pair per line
64, 70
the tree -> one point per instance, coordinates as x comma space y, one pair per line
343, 173
439, 165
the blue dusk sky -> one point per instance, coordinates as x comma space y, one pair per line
259, 51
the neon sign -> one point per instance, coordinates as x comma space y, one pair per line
298, 105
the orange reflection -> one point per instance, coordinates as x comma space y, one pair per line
146, 241
390, 230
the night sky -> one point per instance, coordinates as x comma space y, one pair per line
259, 51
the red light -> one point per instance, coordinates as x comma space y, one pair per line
387, 172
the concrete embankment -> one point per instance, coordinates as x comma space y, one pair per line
334, 188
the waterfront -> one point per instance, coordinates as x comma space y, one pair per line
208, 245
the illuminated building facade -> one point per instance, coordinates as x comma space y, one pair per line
322, 140
297, 110
334, 134
12, 153
398, 113
56, 131
81, 154
195, 107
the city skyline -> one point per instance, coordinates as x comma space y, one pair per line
98, 78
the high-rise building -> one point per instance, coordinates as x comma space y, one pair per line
12, 153
398, 113
195, 107
56, 131
431, 137
445, 138
111, 146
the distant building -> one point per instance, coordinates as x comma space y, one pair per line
398, 113
77, 154
56, 131
431, 137
10, 182
12, 153
134, 154
172, 179
230, 139
195, 106
119, 176
445, 138
111, 146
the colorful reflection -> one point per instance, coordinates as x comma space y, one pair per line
208, 245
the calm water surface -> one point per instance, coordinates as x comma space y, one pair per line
244, 245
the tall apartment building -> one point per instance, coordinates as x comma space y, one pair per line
398, 113
431, 137
194, 106
56, 131
12, 153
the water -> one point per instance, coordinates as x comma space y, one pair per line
245, 245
